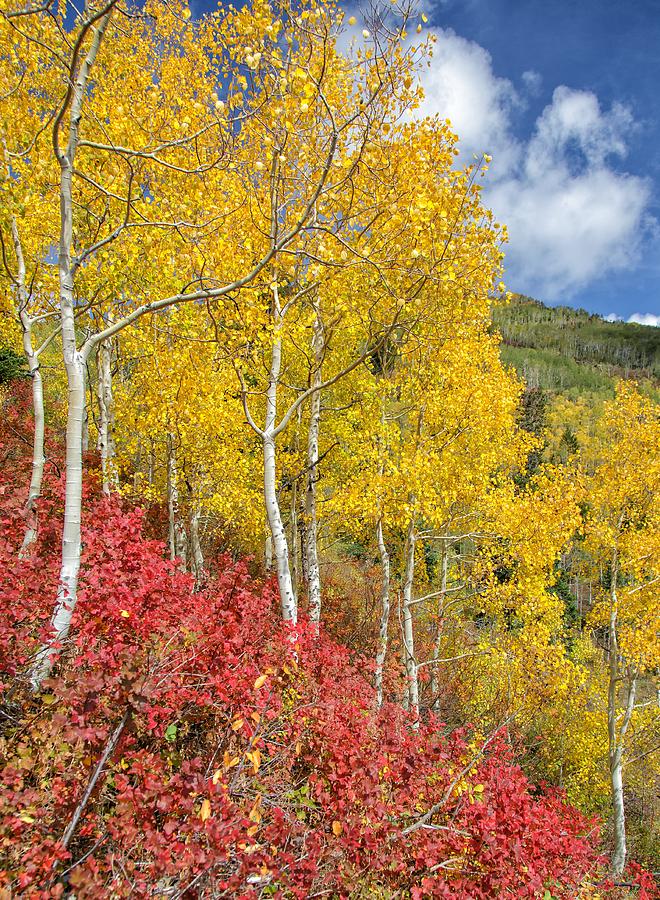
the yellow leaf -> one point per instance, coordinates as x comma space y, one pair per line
337, 828
255, 812
237, 724
260, 682
205, 810
124, 614
229, 761
217, 775
255, 758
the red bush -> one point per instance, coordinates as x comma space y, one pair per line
250, 760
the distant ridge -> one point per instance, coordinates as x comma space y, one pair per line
564, 349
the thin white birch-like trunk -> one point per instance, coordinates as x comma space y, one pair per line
268, 552
75, 363
176, 537
311, 518
38, 455
384, 611
616, 736
196, 551
408, 625
294, 540
435, 685
106, 445
273, 512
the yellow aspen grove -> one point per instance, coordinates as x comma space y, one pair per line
330, 567
622, 530
221, 145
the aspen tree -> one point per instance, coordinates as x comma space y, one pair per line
80, 141
622, 530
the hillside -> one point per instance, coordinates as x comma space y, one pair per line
571, 350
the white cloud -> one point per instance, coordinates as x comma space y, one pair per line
613, 317
572, 216
460, 85
532, 81
645, 319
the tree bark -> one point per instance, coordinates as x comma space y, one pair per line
176, 537
196, 548
408, 626
616, 737
75, 363
311, 520
38, 453
268, 553
385, 612
435, 686
106, 444
32, 358
273, 512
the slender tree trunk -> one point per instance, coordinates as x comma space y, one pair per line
616, 736
302, 537
196, 548
273, 512
106, 444
435, 686
278, 533
311, 520
176, 531
385, 611
408, 627
294, 541
67, 593
38, 456
75, 363
85, 431
268, 553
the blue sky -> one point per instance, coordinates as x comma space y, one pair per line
564, 94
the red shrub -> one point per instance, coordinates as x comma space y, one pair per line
251, 761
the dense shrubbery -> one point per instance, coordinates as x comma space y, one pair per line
249, 760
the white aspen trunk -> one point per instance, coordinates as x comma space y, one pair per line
268, 553
137, 469
616, 737
106, 445
408, 627
295, 541
311, 520
384, 613
273, 513
435, 686
196, 548
278, 533
302, 537
67, 593
75, 363
176, 531
85, 431
38, 456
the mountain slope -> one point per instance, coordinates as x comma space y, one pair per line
571, 350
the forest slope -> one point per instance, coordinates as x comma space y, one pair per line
571, 350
